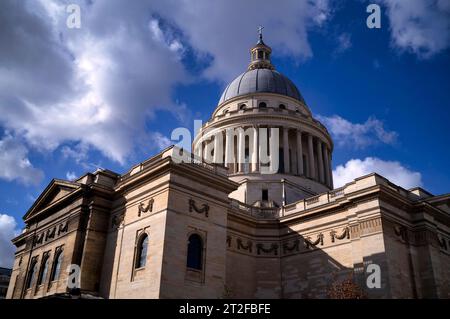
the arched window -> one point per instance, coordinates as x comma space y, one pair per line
262, 105
242, 106
195, 252
31, 273
43, 272
260, 54
141, 256
56, 269
282, 106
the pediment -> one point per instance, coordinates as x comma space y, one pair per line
56, 191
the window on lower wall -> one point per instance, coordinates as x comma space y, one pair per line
56, 269
44, 270
195, 252
31, 274
141, 251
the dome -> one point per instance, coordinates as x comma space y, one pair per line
261, 81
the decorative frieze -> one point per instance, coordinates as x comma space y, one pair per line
50, 234
272, 249
442, 243
295, 246
63, 227
311, 244
248, 247
345, 234
117, 220
142, 208
401, 232
193, 207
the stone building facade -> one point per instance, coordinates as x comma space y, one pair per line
251, 214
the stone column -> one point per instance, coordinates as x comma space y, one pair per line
320, 161
207, 153
312, 168
327, 165
287, 168
229, 151
274, 146
241, 150
255, 154
299, 153
218, 147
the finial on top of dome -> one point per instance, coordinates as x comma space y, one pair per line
260, 41
260, 54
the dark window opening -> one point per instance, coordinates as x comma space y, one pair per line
280, 160
31, 274
43, 273
56, 267
282, 106
265, 195
262, 105
290, 160
260, 54
195, 252
141, 257
242, 107
304, 165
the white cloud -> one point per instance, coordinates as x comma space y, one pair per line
419, 26
161, 141
8, 230
344, 42
71, 176
226, 29
358, 135
15, 165
98, 86
392, 170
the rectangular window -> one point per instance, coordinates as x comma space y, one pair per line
265, 194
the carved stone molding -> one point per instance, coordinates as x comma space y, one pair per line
401, 232
117, 220
50, 234
442, 243
248, 247
142, 208
193, 207
63, 227
58, 249
345, 234
272, 249
309, 243
290, 248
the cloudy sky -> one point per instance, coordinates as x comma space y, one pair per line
110, 93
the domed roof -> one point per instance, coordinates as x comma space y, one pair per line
261, 80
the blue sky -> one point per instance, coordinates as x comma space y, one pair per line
109, 94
